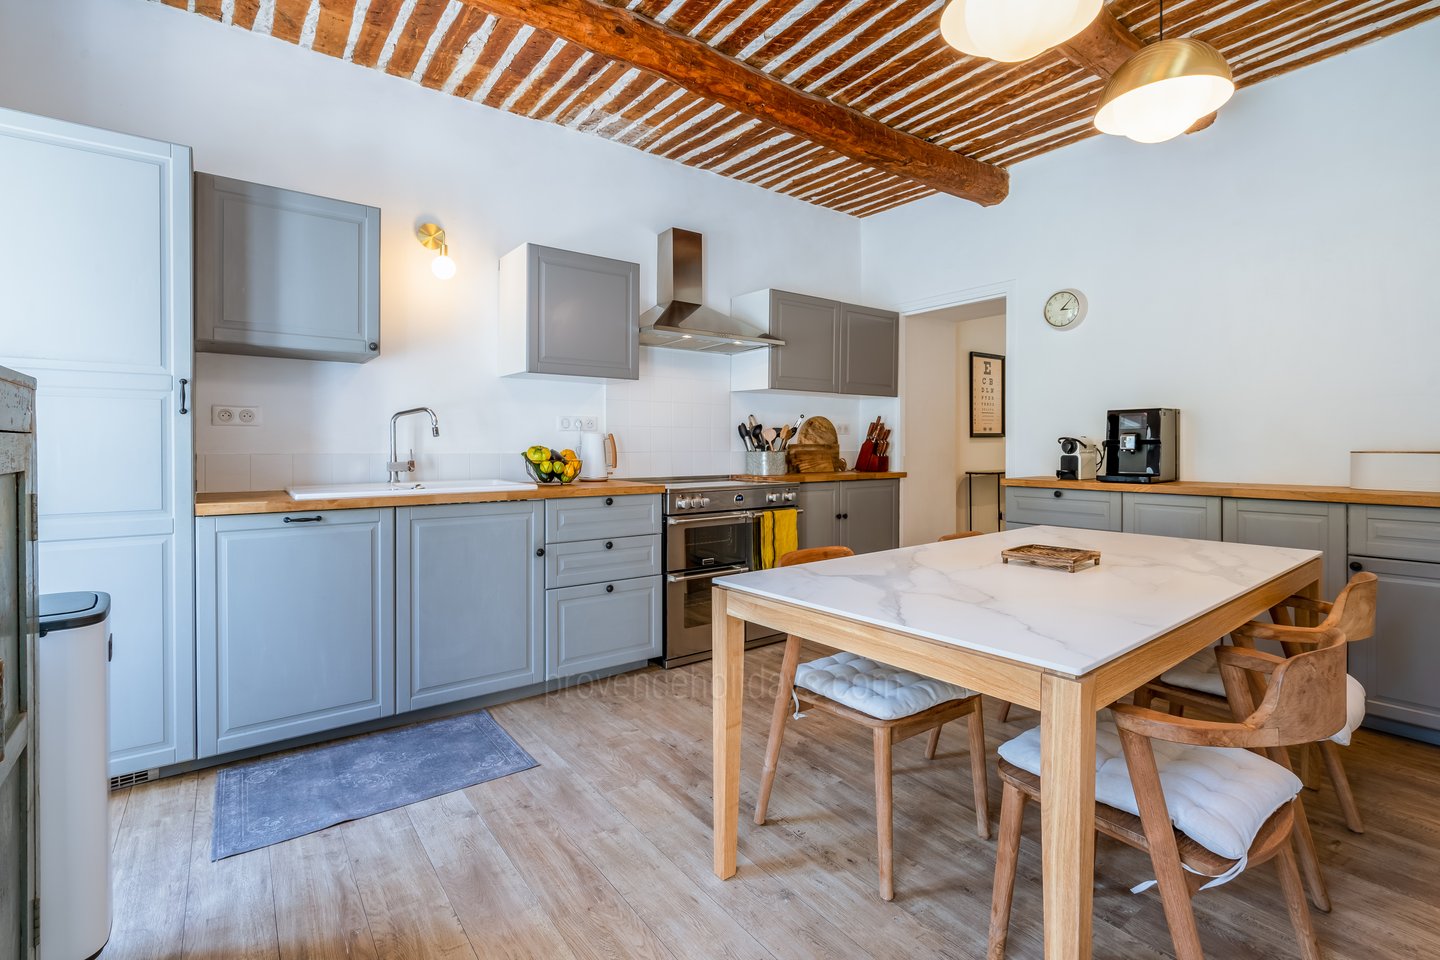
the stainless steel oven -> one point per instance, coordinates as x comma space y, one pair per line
710, 531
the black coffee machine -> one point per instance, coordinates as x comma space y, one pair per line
1142, 445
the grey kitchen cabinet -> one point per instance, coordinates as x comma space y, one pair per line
601, 625
1088, 509
568, 314
601, 518
863, 515
869, 352
281, 273
1164, 515
1398, 666
469, 596
294, 625
588, 561
1291, 523
830, 347
1397, 533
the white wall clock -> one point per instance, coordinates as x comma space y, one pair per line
1065, 309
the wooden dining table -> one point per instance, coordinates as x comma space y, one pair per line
1066, 644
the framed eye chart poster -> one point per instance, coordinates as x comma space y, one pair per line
987, 395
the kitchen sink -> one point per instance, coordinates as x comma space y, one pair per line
347, 491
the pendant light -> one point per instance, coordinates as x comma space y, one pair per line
1013, 30
1164, 88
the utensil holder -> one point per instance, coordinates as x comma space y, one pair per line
765, 463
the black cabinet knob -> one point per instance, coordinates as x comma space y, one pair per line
374, 346
1059, 493
609, 588
609, 545
539, 551
609, 501
1356, 565
839, 516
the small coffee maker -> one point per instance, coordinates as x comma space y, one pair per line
1142, 445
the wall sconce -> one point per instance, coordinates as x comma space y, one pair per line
432, 237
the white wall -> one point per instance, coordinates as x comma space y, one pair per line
265, 110
1272, 276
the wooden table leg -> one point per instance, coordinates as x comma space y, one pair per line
728, 703
1067, 814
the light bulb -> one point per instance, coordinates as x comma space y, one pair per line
1013, 30
1163, 89
443, 267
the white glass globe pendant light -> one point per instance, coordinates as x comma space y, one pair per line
1013, 30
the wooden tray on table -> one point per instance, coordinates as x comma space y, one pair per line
1065, 558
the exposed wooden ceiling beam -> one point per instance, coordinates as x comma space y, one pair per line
1103, 46
621, 35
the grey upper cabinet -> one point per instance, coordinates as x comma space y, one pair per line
294, 625
1164, 515
869, 352
469, 597
280, 273
1291, 523
863, 515
1089, 509
830, 347
569, 314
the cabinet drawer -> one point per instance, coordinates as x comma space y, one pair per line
594, 561
1090, 509
1399, 533
601, 518
601, 625
1166, 515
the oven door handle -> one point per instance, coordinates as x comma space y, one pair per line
711, 518
706, 574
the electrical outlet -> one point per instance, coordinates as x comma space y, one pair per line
222, 416
248, 416
590, 423
842, 429
564, 423
234, 416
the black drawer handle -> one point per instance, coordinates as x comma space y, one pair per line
609, 545
609, 588
1059, 493
303, 519
609, 501
184, 408
1356, 565
539, 551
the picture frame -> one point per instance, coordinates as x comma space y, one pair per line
987, 394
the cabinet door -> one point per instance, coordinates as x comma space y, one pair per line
810, 327
1164, 515
1043, 506
1296, 524
869, 352
819, 523
295, 625
871, 512
1398, 666
583, 314
570, 519
280, 273
601, 625
469, 588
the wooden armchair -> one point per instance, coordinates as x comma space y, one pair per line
1305, 698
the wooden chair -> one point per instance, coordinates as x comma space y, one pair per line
1305, 698
964, 535
1197, 683
885, 732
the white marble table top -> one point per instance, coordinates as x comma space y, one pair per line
959, 591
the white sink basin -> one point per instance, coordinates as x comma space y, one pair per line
350, 491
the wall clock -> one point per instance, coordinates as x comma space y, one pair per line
1065, 309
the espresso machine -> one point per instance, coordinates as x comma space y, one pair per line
1142, 445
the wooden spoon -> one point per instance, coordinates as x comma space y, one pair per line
769, 435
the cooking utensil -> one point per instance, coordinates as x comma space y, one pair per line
752, 422
745, 436
768, 434
755, 434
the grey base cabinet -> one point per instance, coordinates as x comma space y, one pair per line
1163, 515
602, 625
295, 625
863, 515
1296, 524
1041, 506
469, 597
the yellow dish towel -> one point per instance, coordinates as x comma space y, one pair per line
778, 535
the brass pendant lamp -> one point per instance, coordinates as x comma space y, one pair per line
1164, 88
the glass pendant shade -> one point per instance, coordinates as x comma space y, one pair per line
1013, 30
443, 267
1163, 89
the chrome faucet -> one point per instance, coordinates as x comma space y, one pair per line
396, 466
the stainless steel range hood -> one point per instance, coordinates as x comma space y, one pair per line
680, 320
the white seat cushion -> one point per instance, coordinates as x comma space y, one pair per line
1202, 672
882, 691
1219, 797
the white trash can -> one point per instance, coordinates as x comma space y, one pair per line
71, 761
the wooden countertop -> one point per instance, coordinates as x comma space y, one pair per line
277, 501
823, 477
1252, 491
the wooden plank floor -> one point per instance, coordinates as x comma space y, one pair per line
604, 852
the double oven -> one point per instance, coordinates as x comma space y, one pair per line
711, 530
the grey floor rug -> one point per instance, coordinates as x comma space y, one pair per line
280, 798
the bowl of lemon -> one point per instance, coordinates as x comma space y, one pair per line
545, 465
